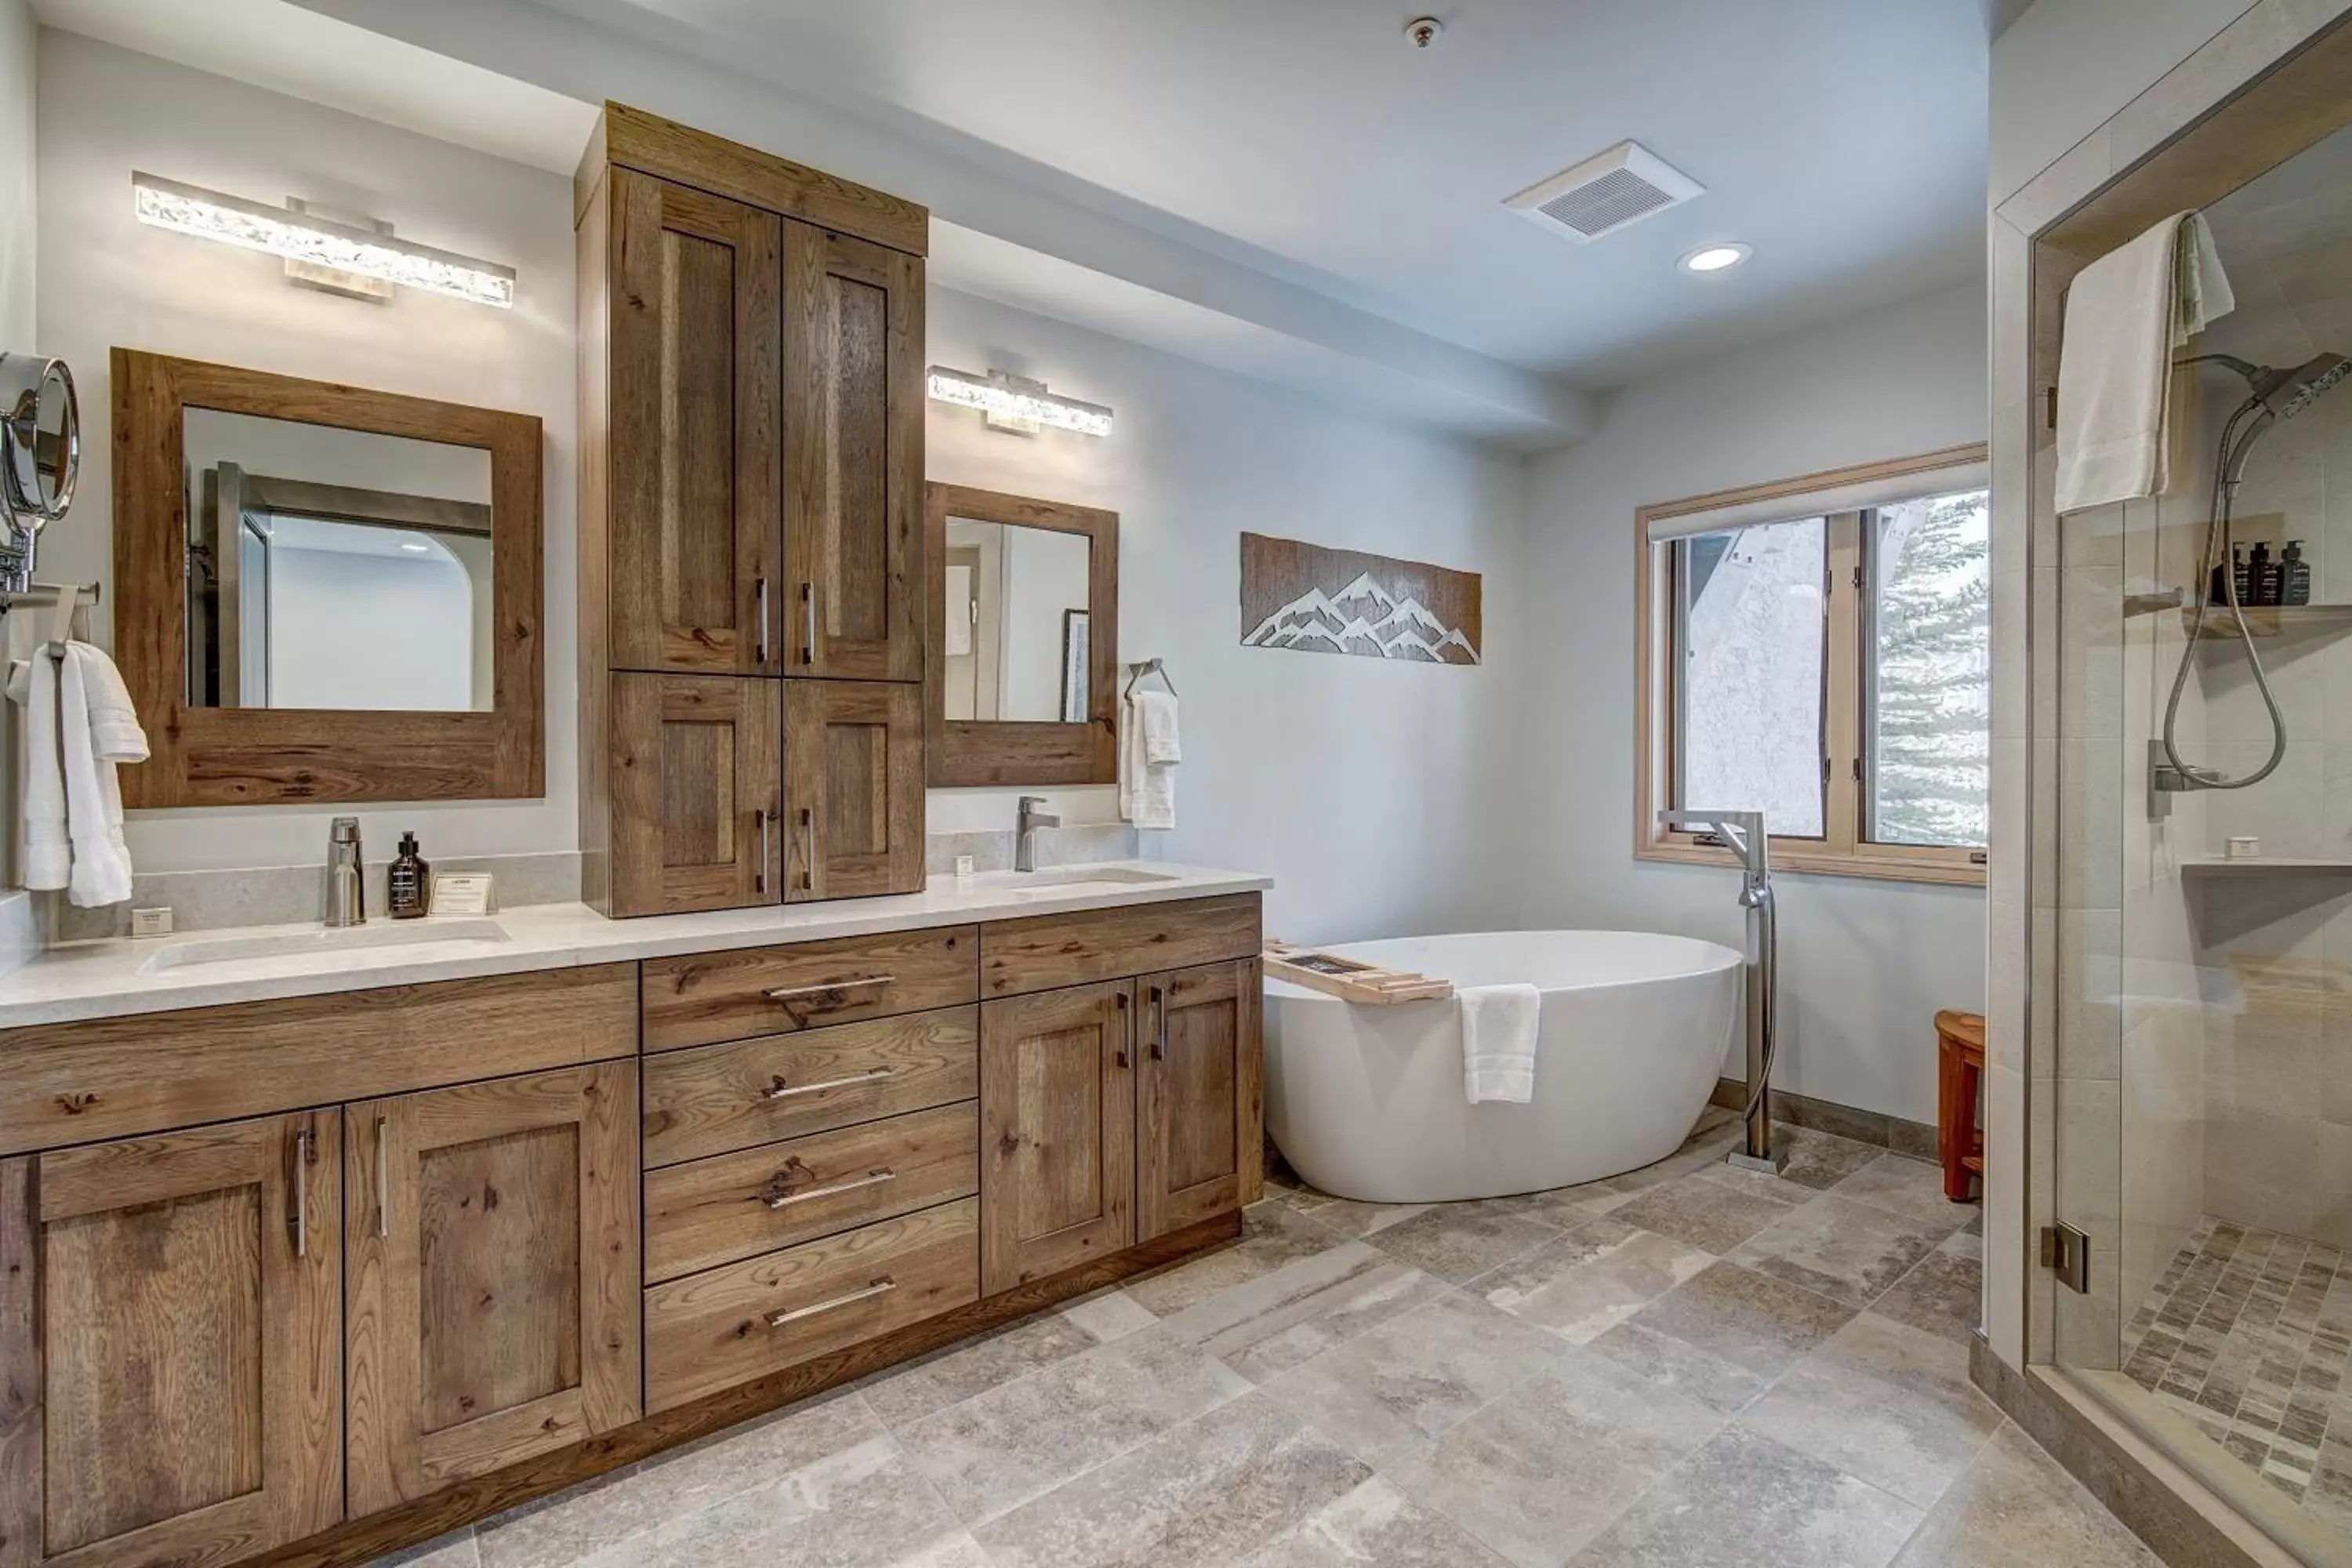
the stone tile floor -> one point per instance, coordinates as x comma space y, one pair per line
1685, 1364
2248, 1335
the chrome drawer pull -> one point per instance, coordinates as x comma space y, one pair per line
778, 1320
759, 592
780, 1090
794, 993
785, 1199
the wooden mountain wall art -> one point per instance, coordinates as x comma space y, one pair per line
1305, 596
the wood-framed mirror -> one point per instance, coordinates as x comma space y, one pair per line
324, 593
1022, 651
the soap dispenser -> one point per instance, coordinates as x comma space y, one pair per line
2227, 576
409, 884
2261, 576
2294, 576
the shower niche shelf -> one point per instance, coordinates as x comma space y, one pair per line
2269, 620
2208, 866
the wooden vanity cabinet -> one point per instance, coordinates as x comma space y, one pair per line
853, 788
492, 1236
696, 780
750, 508
693, 433
171, 1345
854, 476
1056, 1132
1199, 1151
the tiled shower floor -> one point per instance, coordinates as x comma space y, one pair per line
2248, 1334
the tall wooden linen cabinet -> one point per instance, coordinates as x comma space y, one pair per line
751, 526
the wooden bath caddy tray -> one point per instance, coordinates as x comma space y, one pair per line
1349, 979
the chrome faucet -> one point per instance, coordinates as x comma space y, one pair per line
346, 878
1743, 833
1025, 837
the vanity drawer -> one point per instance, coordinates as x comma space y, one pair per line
1054, 951
715, 1099
714, 1211
714, 1329
700, 998
114, 1077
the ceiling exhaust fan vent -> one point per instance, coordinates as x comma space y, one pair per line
1605, 193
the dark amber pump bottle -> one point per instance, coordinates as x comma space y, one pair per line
410, 891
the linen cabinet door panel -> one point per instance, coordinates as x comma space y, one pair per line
1199, 1151
493, 1241
853, 483
1056, 1132
171, 1331
695, 439
695, 779
853, 788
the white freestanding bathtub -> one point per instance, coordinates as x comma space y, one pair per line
1367, 1102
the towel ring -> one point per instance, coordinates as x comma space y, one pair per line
1148, 666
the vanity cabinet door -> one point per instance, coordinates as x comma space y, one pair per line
695, 442
1199, 1153
1056, 1132
854, 476
695, 772
493, 1289
853, 788
170, 1344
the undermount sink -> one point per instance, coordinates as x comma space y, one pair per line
1078, 876
301, 943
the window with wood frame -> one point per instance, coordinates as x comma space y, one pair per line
1820, 649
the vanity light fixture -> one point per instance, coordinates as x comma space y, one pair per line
1717, 257
305, 237
1010, 402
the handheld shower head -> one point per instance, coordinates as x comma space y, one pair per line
2285, 393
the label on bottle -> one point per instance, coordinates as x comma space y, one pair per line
406, 887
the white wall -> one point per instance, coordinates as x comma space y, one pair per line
359, 631
1865, 965
107, 280
18, 201
2064, 68
1370, 790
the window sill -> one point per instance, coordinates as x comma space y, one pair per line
1888, 867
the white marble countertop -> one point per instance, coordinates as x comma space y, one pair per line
123, 976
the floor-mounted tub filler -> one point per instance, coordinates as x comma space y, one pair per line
1367, 1102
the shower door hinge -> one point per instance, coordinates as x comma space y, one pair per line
2066, 1252
2050, 406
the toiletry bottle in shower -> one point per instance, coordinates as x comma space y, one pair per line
2294, 576
409, 882
2243, 576
2262, 576
2225, 574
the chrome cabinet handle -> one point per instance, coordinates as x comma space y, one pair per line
808, 850
1159, 995
383, 1184
780, 1090
305, 1142
760, 875
759, 597
792, 992
786, 1199
808, 623
880, 1287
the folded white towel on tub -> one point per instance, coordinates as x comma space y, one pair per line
1498, 1041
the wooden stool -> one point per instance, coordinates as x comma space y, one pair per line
1960, 1069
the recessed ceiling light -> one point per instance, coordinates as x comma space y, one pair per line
1715, 257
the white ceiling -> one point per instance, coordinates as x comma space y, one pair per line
1288, 189
1844, 139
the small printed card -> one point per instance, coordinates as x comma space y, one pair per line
461, 893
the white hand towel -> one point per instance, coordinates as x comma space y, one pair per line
101, 861
2125, 313
1147, 790
1158, 712
1499, 1025
114, 730
48, 853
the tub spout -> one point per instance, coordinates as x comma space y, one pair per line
1743, 833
